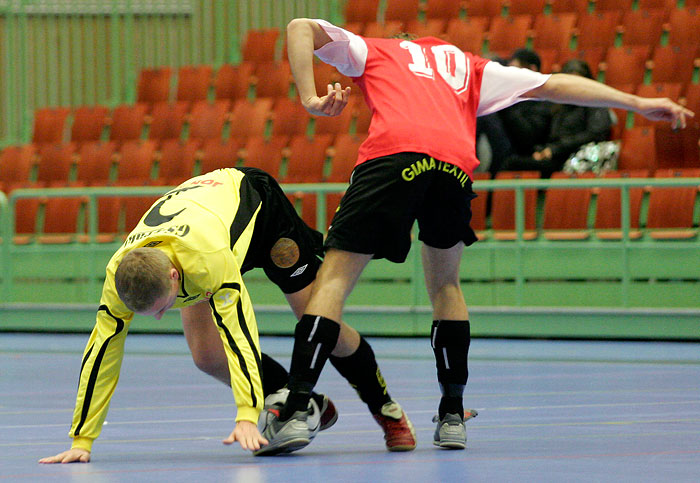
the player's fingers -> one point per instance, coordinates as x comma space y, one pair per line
338, 92
231, 438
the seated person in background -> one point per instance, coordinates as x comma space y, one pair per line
571, 127
517, 129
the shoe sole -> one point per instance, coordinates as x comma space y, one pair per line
401, 448
282, 447
450, 444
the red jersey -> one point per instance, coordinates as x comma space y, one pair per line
424, 94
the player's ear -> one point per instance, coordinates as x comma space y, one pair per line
174, 274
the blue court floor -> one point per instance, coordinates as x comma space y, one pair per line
548, 411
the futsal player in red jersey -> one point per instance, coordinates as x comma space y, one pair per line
416, 164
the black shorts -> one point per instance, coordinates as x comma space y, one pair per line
285, 247
387, 194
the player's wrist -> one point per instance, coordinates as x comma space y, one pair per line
82, 443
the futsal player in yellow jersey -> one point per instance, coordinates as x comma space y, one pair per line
189, 252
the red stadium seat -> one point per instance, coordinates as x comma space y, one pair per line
566, 210
467, 34
553, 31
127, 122
64, 221
433, 27
625, 64
383, 30
642, 27
508, 33
260, 45
272, 79
597, 29
670, 63
176, 161
265, 154
684, 26
503, 208
50, 125
193, 83
55, 164
135, 162
16, 164
478, 206
307, 158
484, 8
217, 154
289, 118
208, 119
88, 123
96, 162
344, 157
361, 11
442, 9
250, 118
232, 82
401, 10
609, 208
531, 7
670, 210
638, 149
153, 85
167, 121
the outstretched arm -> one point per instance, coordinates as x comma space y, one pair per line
303, 37
572, 89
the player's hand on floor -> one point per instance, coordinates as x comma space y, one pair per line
247, 435
73, 455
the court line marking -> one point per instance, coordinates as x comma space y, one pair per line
312, 461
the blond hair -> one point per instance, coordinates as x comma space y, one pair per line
142, 277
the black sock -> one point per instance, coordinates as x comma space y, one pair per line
450, 341
361, 370
315, 338
274, 375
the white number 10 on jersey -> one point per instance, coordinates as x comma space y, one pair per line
450, 62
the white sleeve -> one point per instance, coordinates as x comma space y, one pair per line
347, 52
502, 86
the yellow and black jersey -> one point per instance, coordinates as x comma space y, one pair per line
205, 226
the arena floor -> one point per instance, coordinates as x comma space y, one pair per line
548, 411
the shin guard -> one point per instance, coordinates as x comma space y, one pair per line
362, 372
450, 341
315, 338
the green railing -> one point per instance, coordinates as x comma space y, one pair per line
626, 288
